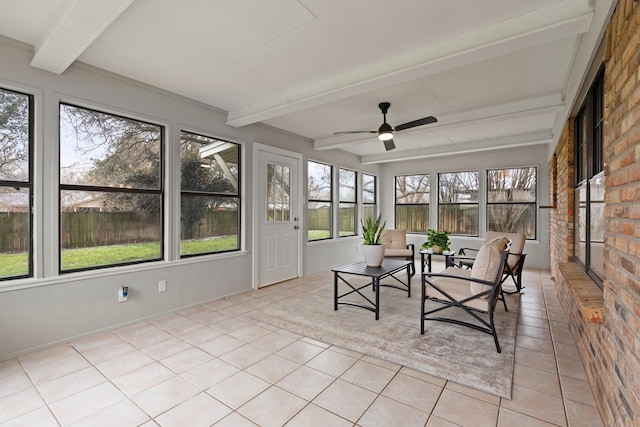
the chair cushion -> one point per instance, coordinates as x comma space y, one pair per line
394, 239
397, 252
517, 245
458, 289
487, 262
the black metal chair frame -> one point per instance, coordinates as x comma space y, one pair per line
515, 273
412, 258
494, 293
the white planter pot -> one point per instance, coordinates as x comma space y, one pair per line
373, 255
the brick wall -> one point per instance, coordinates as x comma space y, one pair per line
611, 350
561, 218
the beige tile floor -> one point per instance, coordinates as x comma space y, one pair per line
213, 365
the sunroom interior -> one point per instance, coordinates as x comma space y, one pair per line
264, 96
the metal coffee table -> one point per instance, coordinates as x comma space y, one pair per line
389, 268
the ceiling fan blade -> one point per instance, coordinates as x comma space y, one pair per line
415, 123
356, 131
389, 145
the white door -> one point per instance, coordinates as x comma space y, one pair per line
278, 218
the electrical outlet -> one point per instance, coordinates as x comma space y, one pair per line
123, 294
162, 286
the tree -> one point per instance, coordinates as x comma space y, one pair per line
412, 189
458, 187
511, 197
319, 181
14, 136
199, 176
104, 152
458, 202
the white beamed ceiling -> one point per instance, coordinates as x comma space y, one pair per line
496, 73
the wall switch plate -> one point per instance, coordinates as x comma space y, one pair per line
162, 285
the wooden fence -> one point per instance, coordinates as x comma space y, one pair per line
320, 219
88, 229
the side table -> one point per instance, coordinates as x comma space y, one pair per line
425, 259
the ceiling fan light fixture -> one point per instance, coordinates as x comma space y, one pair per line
385, 132
385, 136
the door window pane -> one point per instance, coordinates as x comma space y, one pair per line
278, 193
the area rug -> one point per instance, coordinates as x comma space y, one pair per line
447, 351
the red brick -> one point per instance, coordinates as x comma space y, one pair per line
616, 341
627, 159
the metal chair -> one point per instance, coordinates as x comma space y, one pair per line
395, 246
515, 262
475, 292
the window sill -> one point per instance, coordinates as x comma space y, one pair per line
586, 293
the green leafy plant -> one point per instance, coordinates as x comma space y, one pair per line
372, 231
437, 238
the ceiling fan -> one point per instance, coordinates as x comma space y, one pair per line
385, 131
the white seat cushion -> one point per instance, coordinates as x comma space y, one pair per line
517, 245
394, 239
487, 262
398, 252
456, 288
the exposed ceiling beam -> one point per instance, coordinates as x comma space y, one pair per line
530, 107
535, 138
555, 22
78, 27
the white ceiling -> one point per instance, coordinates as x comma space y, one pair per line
496, 73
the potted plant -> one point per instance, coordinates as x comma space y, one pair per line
373, 249
438, 241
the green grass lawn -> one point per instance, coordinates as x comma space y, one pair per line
325, 234
318, 234
72, 259
14, 264
226, 243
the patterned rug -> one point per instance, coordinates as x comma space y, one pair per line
447, 351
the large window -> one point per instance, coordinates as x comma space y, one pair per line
209, 196
458, 203
16, 187
369, 196
589, 185
111, 190
348, 202
319, 195
511, 201
412, 203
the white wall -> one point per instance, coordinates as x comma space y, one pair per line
52, 308
537, 250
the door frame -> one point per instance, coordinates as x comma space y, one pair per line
255, 208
